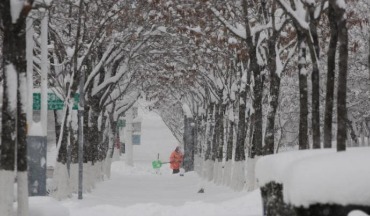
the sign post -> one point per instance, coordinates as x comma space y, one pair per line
36, 152
128, 143
81, 133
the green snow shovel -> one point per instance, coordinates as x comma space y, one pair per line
157, 164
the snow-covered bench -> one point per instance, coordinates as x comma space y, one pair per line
314, 182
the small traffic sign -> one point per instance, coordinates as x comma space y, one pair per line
54, 102
121, 123
135, 139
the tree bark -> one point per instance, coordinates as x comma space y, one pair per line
329, 100
257, 106
342, 78
315, 78
103, 146
62, 154
209, 135
256, 148
188, 144
221, 140
216, 134
114, 131
303, 96
73, 140
274, 98
241, 134
14, 121
230, 140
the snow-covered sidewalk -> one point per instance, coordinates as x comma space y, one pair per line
139, 191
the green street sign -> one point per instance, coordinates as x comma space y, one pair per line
121, 123
54, 102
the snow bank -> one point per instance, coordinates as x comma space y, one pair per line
245, 205
6, 188
319, 176
342, 178
61, 182
46, 206
274, 167
238, 176
357, 213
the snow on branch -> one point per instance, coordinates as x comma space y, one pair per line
99, 65
122, 70
295, 14
123, 105
239, 31
187, 111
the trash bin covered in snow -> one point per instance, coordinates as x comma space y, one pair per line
315, 182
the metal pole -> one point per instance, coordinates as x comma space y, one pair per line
29, 53
44, 73
81, 133
129, 148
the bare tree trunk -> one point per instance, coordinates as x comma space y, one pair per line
188, 144
221, 132
196, 138
114, 130
216, 134
329, 100
230, 140
257, 106
73, 141
208, 154
256, 148
274, 98
241, 133
103, 146
14, 122
314, 48
303, 96
62, 154
342, 78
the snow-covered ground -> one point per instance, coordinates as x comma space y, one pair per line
140, 191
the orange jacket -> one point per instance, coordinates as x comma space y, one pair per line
176, 159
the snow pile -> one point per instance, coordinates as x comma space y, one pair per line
6, 188
357, 213
134, 191
319, 176
237, 207
274, 167
46, 206
342, 178
122, 168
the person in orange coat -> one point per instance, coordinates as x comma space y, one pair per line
176, 160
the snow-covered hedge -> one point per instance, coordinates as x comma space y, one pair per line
319, 178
